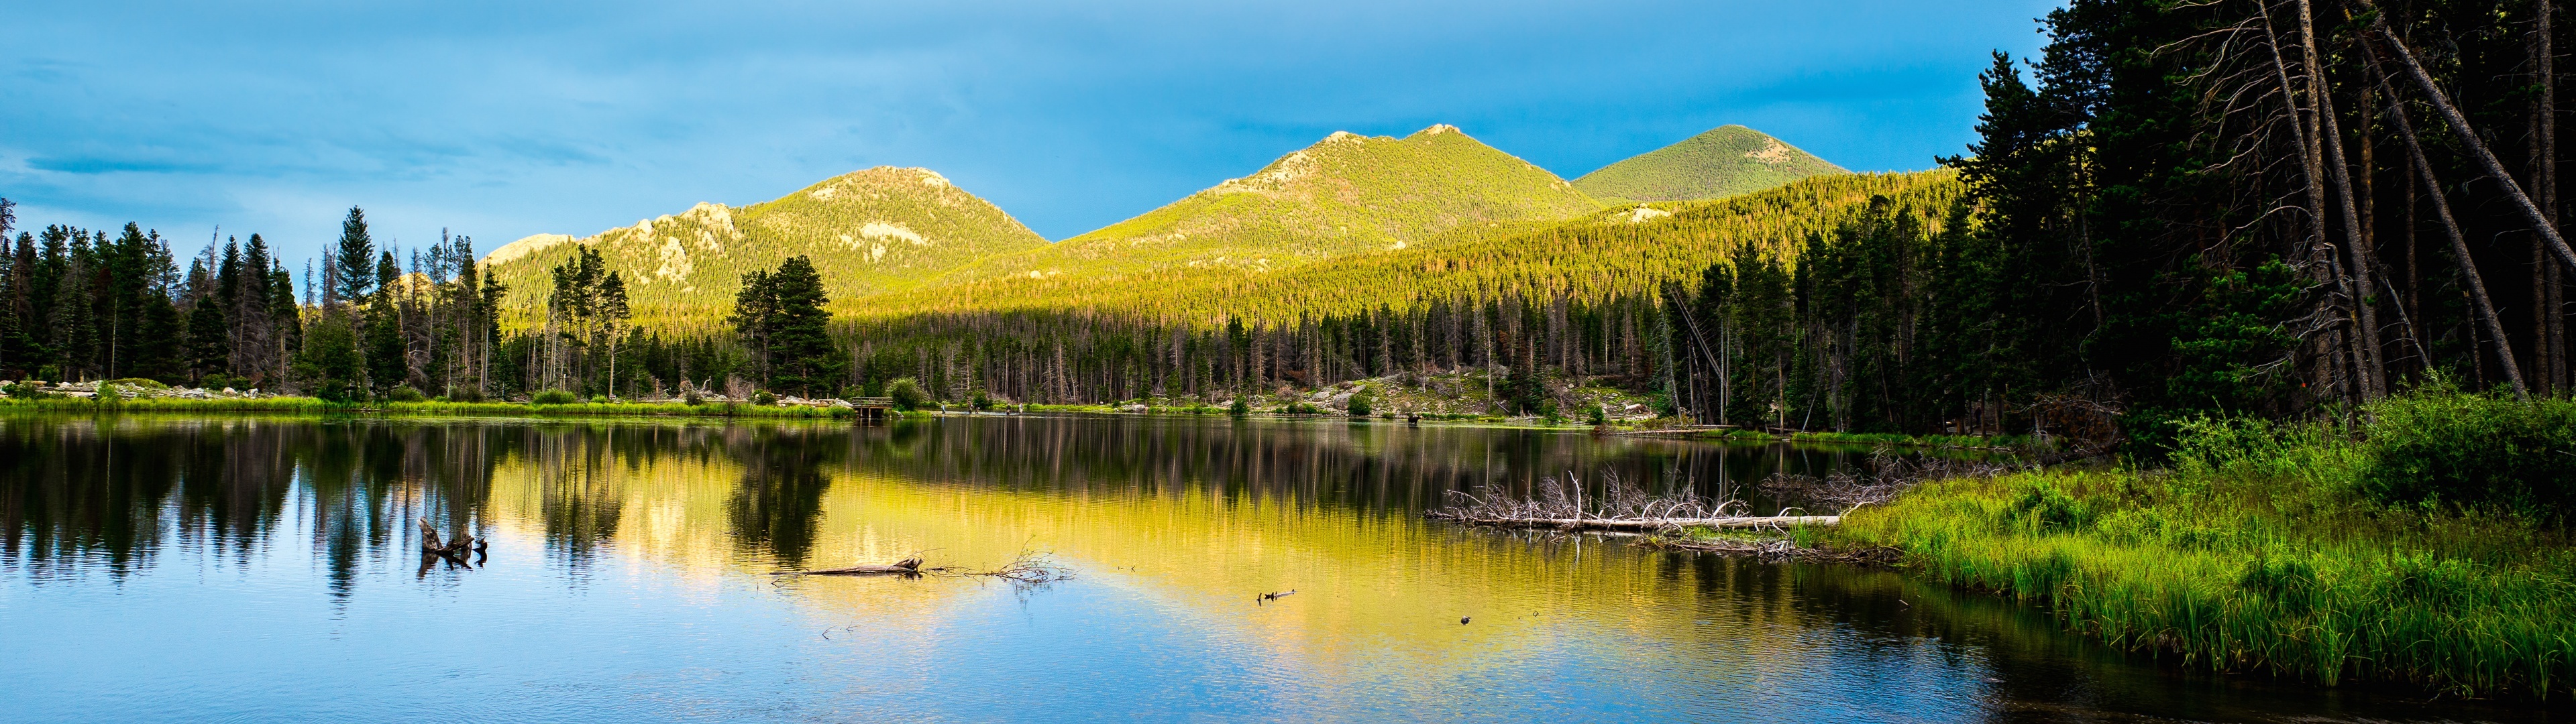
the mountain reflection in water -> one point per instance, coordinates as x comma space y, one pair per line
627, 580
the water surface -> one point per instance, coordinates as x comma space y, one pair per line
265, 569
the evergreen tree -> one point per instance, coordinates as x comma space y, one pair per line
380, 329
355, 258
781, 314
209, 338
329, 366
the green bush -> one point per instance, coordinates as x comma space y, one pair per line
1239, 408
2445, 448
764, 399
553, 397
405, 393
26, 390
465, 394
692, 398
1361, 406
907, 394
137, 383
984, 401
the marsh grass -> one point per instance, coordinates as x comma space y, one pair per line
2259, 549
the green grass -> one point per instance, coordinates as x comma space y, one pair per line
309, 405
2259, 549
1722, 162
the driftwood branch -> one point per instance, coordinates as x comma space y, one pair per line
1740, 521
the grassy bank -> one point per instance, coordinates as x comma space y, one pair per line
309, 405
2399, 551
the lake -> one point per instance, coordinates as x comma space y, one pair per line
267, 569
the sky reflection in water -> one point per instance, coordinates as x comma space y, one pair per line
167, 569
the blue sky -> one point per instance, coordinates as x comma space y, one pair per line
500, 120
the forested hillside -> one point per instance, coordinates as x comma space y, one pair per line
1535, 309
877, 230
1721, 162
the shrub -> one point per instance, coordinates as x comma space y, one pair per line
405, 393
764, 399
466, 394
1598, 417
2445, 448
1360, 405
907, 394
26, 390
692, 398
984, 401
215, 381
553, 397
140, 383
1239, 408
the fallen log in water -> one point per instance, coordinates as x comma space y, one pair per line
905, 567
1741, 521
1031, 568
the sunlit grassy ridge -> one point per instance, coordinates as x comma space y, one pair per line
871, 231
1345, 194
1620, 251
1724, 161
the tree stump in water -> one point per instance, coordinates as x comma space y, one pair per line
453, 551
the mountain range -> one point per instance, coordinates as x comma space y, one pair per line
893, 241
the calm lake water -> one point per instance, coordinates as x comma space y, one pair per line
170, 569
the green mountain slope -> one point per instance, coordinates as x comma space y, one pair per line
870, 232
1345, 194
1616, 251
1724, 161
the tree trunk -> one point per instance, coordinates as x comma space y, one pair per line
2357, 253
2325, 270
2459, 244
2468, 137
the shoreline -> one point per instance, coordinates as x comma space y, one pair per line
316, 406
